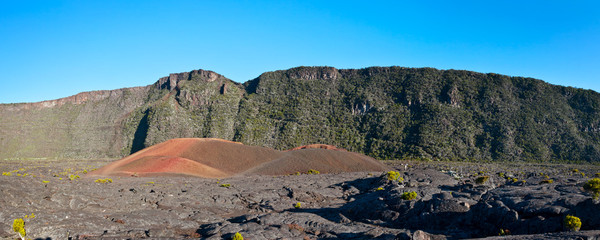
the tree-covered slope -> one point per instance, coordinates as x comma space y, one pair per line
398, 112
387, 113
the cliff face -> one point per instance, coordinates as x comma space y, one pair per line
387, 113
105, 123
84, 125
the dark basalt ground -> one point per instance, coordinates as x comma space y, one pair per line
349, 205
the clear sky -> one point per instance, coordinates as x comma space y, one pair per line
54, 49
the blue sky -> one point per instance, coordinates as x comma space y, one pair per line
54, 49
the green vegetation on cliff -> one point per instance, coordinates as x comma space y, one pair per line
387, 113
392, 113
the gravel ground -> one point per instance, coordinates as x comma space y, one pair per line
361, 205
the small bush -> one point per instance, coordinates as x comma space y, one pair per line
393, 176
572, 223
298, 205
593, 186
409, 195
6, 174
226, 185
73, 177
106, 180
504, 232
547, 181
379, 189
237, 236
312, 171
19, 227
482, 179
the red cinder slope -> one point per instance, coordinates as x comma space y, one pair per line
217, 158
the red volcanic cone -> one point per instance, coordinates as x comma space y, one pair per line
217, 158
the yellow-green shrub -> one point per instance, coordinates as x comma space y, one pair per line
409, 195
106, 180
572, 223
482, 179
546, 181
19, 227
312, 171
237, 236
593, 186
393, 176
226, 185
504, 232
298, 205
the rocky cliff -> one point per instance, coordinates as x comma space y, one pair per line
387, 113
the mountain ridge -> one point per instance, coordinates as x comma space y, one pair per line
384, 112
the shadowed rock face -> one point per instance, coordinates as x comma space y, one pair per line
217, 158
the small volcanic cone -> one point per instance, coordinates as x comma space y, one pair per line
217, 158
323, 160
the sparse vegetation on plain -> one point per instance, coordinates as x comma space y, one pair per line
273, 201
104, 180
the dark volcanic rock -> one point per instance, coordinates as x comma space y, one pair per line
356, 205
